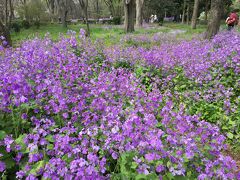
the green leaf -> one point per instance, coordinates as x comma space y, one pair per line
134, 165
2, 135
36, 167
230, 135
10, 163
49, 138
141, 176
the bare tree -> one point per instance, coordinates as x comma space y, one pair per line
51, 8
188, 12
207, 3
184, 11
11, 11
195, 13
110, 6
84, 7
6, 12
139, 13
115, 7
129, 15
63, 11
215, 18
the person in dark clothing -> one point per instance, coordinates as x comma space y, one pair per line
232, 20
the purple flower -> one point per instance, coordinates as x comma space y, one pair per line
8, 141
114, 155
2, 166
24, 116
65, 115
202, 177
20, 174
160, 168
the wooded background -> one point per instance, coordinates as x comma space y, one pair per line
129, 12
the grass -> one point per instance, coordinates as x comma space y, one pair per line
109, 33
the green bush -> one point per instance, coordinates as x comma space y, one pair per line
26, 24
116, 20
37, 24
16, 26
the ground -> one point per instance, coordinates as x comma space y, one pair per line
110, 33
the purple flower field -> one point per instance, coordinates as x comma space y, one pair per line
75, 109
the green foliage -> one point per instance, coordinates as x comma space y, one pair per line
37, 24
26, 24
116, 20
16, 26
123, 64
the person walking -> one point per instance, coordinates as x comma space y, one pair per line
232, 20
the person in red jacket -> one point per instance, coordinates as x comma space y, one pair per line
232, 20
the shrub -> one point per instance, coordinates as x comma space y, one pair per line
37, 24
26, 24
16, 26
116, 20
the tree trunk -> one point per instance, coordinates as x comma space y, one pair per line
11, 12
64, 17
129, 15
139, 15
86, 18
206, 9
195, 13
51, 7
6, 13
5, 33
188, 12
110, 6
215, 18
84, 7
184, 12
98, 10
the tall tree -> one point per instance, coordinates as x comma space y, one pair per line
63, 11
110, 6
215, 18
115, 7
11, 11
51, 8
129, 15
139, 12
188, 12
184, 11
195, 14
207, 2
84, 7
6, 12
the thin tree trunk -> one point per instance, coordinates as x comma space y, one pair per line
6, 13
184, 12
5, 33
11, 11
139, 11
195, 13
206, 9
64, 18
84, 7
215, 18
110, 6
86, 18
129, 15
51, 7
97, 8
188, 13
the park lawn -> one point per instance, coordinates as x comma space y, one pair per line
111, 34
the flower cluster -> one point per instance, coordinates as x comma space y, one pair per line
76, 115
